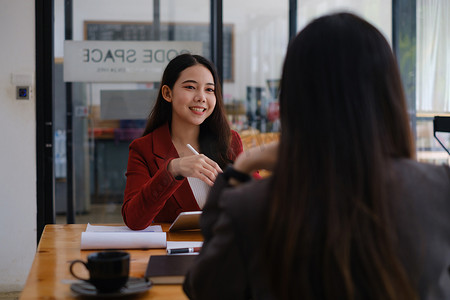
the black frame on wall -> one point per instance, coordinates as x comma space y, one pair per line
45, 192
68, 35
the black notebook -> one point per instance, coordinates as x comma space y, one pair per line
168, 269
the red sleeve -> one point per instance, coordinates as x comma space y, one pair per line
235, 145
145, 194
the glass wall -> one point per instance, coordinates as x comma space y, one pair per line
260, 39
107, 116
433, 77
428, 92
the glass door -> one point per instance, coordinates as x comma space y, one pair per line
257, 46
111, 101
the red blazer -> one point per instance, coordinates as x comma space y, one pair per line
151, 192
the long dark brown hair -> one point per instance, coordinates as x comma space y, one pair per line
215, 131
343, 119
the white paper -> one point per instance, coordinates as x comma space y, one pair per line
184, 244
98, 228
123, 240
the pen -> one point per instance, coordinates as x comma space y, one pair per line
183, 250
192, 149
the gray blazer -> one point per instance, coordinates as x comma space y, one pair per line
228, 268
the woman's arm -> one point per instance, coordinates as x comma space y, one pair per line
145, 194
218, 272
257, 158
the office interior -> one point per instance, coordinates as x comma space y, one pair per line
65, 144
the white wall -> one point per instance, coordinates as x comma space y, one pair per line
18, 146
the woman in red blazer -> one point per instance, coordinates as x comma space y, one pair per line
165, 177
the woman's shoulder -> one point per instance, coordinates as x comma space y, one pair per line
421, 194
141, 140
235, 134
235, 138
421, 180
421, 171
236, 144
146, 140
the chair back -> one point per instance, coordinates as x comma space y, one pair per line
441, 124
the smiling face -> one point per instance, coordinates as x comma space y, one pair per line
192, 96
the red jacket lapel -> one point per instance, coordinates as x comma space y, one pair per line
163, 149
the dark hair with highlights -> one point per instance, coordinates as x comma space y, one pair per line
343, 119
215, 132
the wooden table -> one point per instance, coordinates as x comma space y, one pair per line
60, 244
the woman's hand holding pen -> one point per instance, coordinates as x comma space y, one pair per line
199, 166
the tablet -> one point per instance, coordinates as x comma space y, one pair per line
186, 221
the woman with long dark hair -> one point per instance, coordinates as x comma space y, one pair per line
347, 213
164, 176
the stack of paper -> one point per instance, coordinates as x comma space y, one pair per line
121, 237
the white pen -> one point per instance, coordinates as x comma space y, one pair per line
192, 149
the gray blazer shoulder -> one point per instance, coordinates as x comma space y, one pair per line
422, 192
233, 226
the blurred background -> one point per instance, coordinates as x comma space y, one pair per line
107, 116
